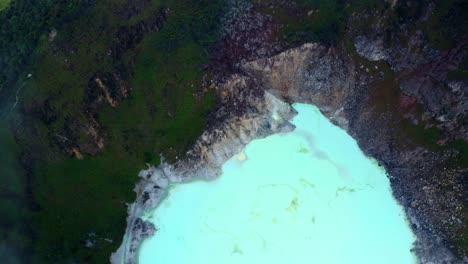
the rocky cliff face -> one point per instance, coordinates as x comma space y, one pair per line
422, 129
246, 112
388, 88
311, 73
253, 105
422, 74
425, 182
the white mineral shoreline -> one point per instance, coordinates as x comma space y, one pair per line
214, 151
249, 109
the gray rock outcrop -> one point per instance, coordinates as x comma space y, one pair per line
253, 105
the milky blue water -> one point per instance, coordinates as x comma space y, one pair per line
309, 196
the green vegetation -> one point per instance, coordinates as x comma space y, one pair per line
4, 4
460, 73
54, 204
168, 110
14, 208
22, 23
79, 201
163, 115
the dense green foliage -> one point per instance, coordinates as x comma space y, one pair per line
85, 200
15, 232
22, 23
55, 203
4, 4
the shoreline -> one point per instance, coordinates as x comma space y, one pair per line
156, 180
380, 183
308, 74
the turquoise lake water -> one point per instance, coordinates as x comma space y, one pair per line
308, 196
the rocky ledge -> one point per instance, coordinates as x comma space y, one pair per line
246, 112
255, 102
427, 183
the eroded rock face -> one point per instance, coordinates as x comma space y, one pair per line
311, 74
319, 76
246, 35
106, 88
253, 105
425, 160
371, 48
387, 105
421, 70
247, 112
